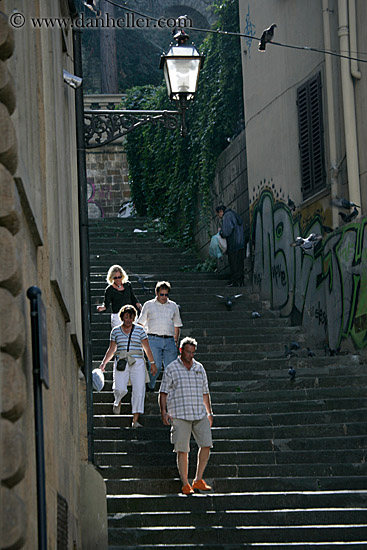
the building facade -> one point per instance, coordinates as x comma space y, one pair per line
40, 246
305, 115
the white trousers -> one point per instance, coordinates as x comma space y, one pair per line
115, 320
136, 374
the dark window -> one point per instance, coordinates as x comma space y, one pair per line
311, 142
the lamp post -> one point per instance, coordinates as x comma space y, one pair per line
181, 67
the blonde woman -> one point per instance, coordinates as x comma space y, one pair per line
118, 293
129, 341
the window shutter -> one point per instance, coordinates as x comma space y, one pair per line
62, 523
311, 144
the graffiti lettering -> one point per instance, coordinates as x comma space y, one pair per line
257, 278
321, 315
278, 273
249, 31
326, 286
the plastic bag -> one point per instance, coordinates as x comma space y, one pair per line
215, 249
98, 380
222, 243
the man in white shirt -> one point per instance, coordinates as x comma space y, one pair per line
161, 319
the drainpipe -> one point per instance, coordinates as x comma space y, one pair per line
83, 239
334, 169
354, 71
351, 142
39, 338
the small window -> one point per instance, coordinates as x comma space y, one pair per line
311, 141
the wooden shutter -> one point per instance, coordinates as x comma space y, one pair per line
311, 143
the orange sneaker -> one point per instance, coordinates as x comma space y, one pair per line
201, 485
187, 489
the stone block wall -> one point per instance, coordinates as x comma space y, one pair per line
108, 182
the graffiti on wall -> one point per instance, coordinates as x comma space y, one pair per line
95, 209
249, 31
326, 286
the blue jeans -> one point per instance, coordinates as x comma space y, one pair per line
164, 351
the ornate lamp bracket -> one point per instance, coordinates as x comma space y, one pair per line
104, 126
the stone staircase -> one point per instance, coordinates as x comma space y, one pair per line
288, 464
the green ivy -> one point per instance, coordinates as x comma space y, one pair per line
171, 176
207, 266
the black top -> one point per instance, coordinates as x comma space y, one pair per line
119, 298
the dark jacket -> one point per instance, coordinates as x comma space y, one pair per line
232, 230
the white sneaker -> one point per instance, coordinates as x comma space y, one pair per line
136, 425
116, 409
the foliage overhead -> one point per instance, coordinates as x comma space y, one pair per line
171, 176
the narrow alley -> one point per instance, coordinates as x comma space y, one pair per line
288, 463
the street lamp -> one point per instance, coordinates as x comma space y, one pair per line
181, 67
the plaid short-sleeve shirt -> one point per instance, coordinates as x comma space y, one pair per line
185, 389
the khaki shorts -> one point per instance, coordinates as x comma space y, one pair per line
181, 431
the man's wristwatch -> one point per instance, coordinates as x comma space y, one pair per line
152, 362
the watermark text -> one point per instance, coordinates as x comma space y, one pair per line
130, 21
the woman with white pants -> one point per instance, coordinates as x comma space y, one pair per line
130, 341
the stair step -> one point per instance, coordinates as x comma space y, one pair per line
261, 451
239, 534
101, 408
224, 485
239, 500
343, 418
169, 470
270, 459
252, 546
291, 394
241, 517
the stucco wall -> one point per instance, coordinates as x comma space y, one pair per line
271, 79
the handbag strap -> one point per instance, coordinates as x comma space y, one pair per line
131, 331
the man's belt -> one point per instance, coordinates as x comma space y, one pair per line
159, 335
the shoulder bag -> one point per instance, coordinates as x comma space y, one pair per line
121, 363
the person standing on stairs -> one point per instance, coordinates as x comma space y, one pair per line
161, 319
185, 405
118, 293
129, 340
232, 230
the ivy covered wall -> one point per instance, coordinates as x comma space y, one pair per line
171, 176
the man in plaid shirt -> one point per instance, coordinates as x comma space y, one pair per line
185, 405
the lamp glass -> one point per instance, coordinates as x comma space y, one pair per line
181, 70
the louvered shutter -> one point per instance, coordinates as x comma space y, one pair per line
311, 143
